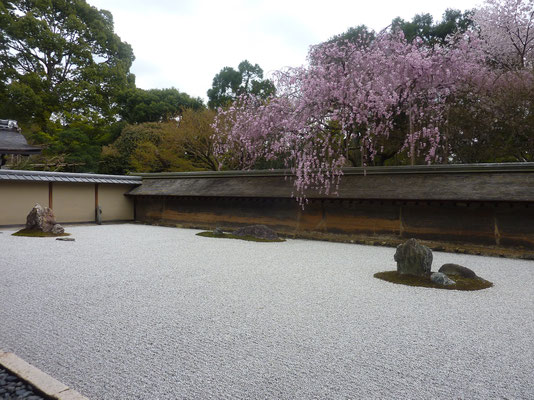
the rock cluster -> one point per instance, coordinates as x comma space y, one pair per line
42, 219
257, 231
415, 259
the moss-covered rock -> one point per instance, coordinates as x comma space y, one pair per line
231, 236
38, 233
461, 283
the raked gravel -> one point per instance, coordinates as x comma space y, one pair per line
143, 312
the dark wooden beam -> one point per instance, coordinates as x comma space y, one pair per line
51, 195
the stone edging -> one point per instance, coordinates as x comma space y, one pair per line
37, 378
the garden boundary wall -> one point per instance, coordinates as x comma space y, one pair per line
481, 204
73, 197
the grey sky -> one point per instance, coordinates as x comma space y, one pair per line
184, 43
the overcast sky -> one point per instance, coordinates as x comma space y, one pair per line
184, 43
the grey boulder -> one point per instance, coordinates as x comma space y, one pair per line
455, 269
218, 231
441, 279
57, 229
41, 218
257, 231
413, 258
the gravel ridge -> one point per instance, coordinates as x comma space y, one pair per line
138, 312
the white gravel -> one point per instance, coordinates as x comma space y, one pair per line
144, 312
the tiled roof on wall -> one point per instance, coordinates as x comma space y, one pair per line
42, 176
468, 182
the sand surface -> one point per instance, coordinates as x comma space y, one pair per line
143, 312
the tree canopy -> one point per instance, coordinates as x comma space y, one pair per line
62, 70
183, 145
229, 84
422, 26
60, 59
459, 89
155, 105
65, 76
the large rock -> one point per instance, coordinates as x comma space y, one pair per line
413, 259
257, 231
458, 270
98, 215
441, 279
43, 219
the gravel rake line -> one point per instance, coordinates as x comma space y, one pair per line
146, 312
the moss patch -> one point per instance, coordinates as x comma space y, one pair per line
37, 233
461, 283
230, 236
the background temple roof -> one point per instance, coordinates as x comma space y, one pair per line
13, 142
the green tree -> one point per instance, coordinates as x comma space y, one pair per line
184, 145
494, 126
62, 68
228, 84
155, 105
424, 27
60, 59
358, 35
195, 135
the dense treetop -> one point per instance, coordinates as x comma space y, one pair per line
229, 84
60, 59
155, 105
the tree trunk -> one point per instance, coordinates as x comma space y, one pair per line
412, 143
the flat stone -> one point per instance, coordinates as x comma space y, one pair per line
257, 231
455, 269
31, 374
66, 239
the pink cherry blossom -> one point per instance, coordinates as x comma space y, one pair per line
352, 93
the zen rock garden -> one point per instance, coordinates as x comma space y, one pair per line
414, 263
41, 222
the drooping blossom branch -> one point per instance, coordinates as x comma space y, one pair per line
349, 94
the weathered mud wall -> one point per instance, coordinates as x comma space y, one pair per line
73, 197
490, 207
